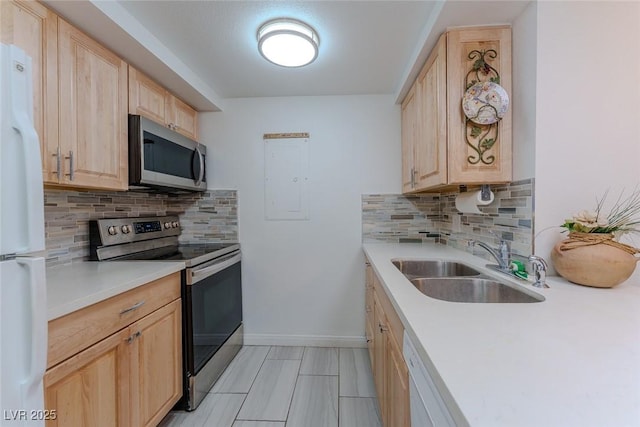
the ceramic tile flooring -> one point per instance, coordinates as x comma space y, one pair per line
289, 387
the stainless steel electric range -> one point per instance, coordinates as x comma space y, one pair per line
211, 291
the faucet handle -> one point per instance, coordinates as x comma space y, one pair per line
539, 266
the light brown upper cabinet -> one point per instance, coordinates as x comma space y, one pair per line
439, 148
34, 28
152, 101
92, 84
408, 126
80, 98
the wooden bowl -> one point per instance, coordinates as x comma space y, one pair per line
600, 266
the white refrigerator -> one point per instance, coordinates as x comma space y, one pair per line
23, 303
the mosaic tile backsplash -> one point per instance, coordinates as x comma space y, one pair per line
205, 217
400, 219
434, 218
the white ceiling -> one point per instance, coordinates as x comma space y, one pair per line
364, 45
206, 51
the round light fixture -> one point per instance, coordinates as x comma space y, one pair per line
288, 42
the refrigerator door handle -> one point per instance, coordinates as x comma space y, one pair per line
38, 339
22, 122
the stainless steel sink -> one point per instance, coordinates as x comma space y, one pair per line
457, 282
473, 290
413, 269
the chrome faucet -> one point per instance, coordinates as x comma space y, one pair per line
502, 254
539, 270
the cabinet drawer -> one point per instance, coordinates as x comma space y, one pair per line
78, 330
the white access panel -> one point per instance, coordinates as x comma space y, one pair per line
286, 175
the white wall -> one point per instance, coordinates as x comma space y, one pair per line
304, 280
523, 98
588, 114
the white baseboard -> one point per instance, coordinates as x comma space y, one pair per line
305, 340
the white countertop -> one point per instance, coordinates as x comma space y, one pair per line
572, 360
75, 286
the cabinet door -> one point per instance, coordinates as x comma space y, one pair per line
34, 28
369, 313
430, 160
146, 97
93, 112
459, 44
408, 127
397, 380
370, 336
91, 388
156, 364
380, 350
182, 118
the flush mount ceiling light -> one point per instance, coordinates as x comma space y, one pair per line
288, 42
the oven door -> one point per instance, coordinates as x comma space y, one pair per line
213, 308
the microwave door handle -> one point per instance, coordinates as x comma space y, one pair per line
201, 160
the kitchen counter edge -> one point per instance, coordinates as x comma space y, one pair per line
75, 286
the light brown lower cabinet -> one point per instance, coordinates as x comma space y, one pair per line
397, 384
370, 321
379, 362
133, 377
156, 365
390, 373
87, 389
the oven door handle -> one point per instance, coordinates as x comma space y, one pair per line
197, 275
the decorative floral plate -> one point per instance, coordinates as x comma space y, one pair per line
485, 103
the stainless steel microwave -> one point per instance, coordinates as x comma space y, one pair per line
161, 159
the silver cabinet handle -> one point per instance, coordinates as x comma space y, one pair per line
70, 157
58, 171
133, 307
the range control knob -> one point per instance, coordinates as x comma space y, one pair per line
175, 224
167, 225
112, 230
125, 229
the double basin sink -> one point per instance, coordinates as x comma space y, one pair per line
457, 282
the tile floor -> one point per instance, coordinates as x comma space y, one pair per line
289, 387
